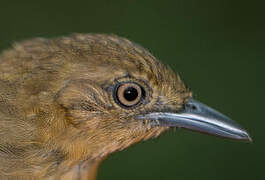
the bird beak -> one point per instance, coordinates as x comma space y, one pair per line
200, 117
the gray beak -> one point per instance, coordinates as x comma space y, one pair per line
199, 117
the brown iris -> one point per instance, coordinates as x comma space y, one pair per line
129, 94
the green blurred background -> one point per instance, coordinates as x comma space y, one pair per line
217, 47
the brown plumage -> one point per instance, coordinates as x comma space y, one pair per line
59, 115
56, 106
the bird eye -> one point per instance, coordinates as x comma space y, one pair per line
129, 94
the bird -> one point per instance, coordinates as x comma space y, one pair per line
68, 102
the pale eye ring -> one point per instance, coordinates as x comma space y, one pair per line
129, 94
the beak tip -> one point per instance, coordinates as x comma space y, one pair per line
249, 139
246, 137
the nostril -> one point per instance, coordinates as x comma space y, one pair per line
193, 107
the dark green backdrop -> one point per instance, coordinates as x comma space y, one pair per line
217, 46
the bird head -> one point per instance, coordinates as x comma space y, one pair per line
118, 94
82, 97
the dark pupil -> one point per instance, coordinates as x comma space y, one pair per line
130, 94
